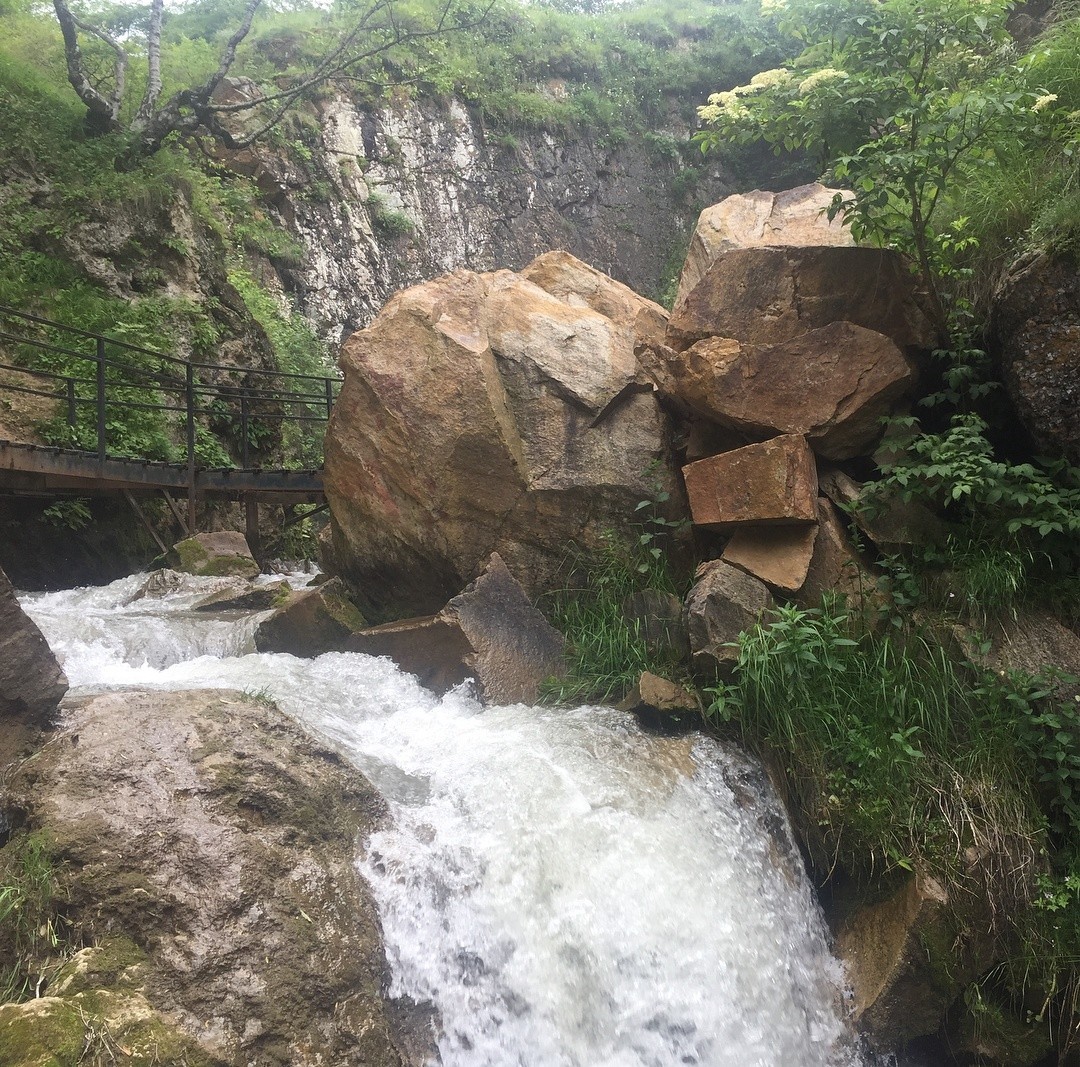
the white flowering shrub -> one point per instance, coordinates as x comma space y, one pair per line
898, 99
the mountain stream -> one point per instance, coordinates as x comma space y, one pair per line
566, 890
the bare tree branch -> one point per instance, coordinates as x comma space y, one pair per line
153, 64
374, 32
103, 111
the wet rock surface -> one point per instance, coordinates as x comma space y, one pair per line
220, 842
1036, 339
489, 632
31, 681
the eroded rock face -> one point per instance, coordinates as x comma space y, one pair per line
220, 841
834, 385
482, 414
765, 296
759, 219
31, 681
489, 632
1036, 338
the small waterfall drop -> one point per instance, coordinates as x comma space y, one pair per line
566, 890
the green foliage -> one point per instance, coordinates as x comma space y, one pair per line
896, 754
957, 470
608, 648
387, 220
903, 100
31, 928
69, 514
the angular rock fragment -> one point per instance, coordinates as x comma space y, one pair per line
662, 706
311, 622
834, 385
778, 555
260, 598
891, 523
723, 602
836, 567
489, 632
770, 483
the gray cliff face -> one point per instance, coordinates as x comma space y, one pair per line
381, 199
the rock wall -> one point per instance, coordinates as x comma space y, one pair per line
382, 198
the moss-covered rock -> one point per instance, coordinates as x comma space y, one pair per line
213, 555
207, 850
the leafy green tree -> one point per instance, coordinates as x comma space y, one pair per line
900, 98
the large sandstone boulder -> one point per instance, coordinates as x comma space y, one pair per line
834, 384
1036, 340
765, 296
489, 632
753, 220
481, 413
31, 681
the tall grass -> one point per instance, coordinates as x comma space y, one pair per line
30, 927
607, 648
896, 755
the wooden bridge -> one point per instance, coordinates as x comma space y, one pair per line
89, 386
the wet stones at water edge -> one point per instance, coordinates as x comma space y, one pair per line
209, 856
489, 632
31, 681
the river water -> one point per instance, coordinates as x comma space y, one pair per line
565, 889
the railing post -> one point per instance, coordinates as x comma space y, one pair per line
189, 403
328, 384
72, 414
100, 349
244, 454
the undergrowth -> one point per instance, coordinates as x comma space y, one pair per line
31, 927
896, 756
610, 641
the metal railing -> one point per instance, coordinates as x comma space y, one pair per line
110, 376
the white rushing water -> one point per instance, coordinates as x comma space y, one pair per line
565, 889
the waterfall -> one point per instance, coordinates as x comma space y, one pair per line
566, 890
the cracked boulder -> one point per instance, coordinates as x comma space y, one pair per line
766, 296
752, 220
484, 413
835, 385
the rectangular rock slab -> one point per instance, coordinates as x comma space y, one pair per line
779, 555
772, 483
